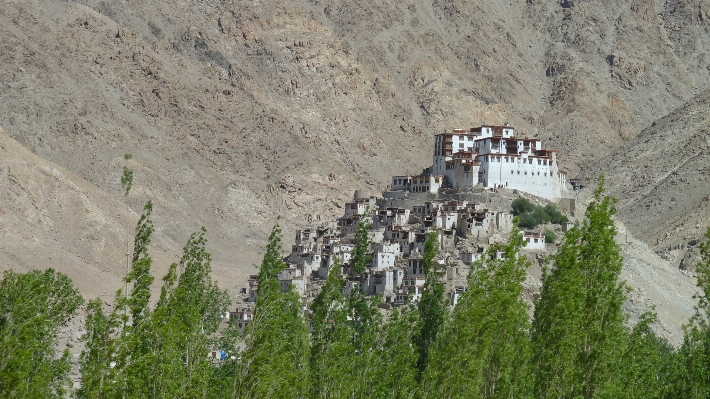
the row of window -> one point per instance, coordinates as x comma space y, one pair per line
507, 159
532, 173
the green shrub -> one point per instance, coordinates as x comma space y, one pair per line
527, 220
555, 215
522, 205
550, 236
530, 215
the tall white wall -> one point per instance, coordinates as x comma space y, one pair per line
521, 173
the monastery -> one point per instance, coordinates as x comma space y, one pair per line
468, 225
492, 157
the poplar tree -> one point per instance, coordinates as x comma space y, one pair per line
98, 378
33, 307
170, 358
362, 310
648, 363
331, 342
140, 267
394, 358
692, 377
433, 307
484, 350
579, 331
275, 360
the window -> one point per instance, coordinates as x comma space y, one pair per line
511, 172
460, 145
518, 172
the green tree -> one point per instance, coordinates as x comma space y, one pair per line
363, 310
331, 342
433, 306
127, 180
275, 360
550, 236
647, 362
101, 337
579, 331
692, 379
530, 215
554, 215
522, 205
484, 350
123, 345
33, 306
167, 350
140, 275
393, 365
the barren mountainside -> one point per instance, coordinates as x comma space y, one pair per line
238, 111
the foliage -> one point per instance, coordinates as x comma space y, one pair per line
33, 306
97, 375
579, 331
161, 353
127, 156
331, 341
393, 366
360, 258
127, 180
433, 306
275, 361
484, 350
181, 329
550, 236
647, 365
522, 205
693, 377
140, 271
530, 215
363, 310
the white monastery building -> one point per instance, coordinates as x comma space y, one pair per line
490, 156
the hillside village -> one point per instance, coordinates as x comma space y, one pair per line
464, 197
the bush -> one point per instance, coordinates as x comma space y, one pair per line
550, 236
522, 205
527, 220
555, 215
530, 215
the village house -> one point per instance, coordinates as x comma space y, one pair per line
418, 184
382, 260
415, 285
415, 267
241, 317
470, 257
252, 287
483, 223
389, 217
389, 246
440, 219
534, 240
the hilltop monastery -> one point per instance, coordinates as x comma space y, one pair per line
490, 156
468, 226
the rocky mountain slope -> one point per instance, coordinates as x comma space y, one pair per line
238, 111
661, 180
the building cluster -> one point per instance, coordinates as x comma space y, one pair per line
487, 156
397, 238
492, 157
